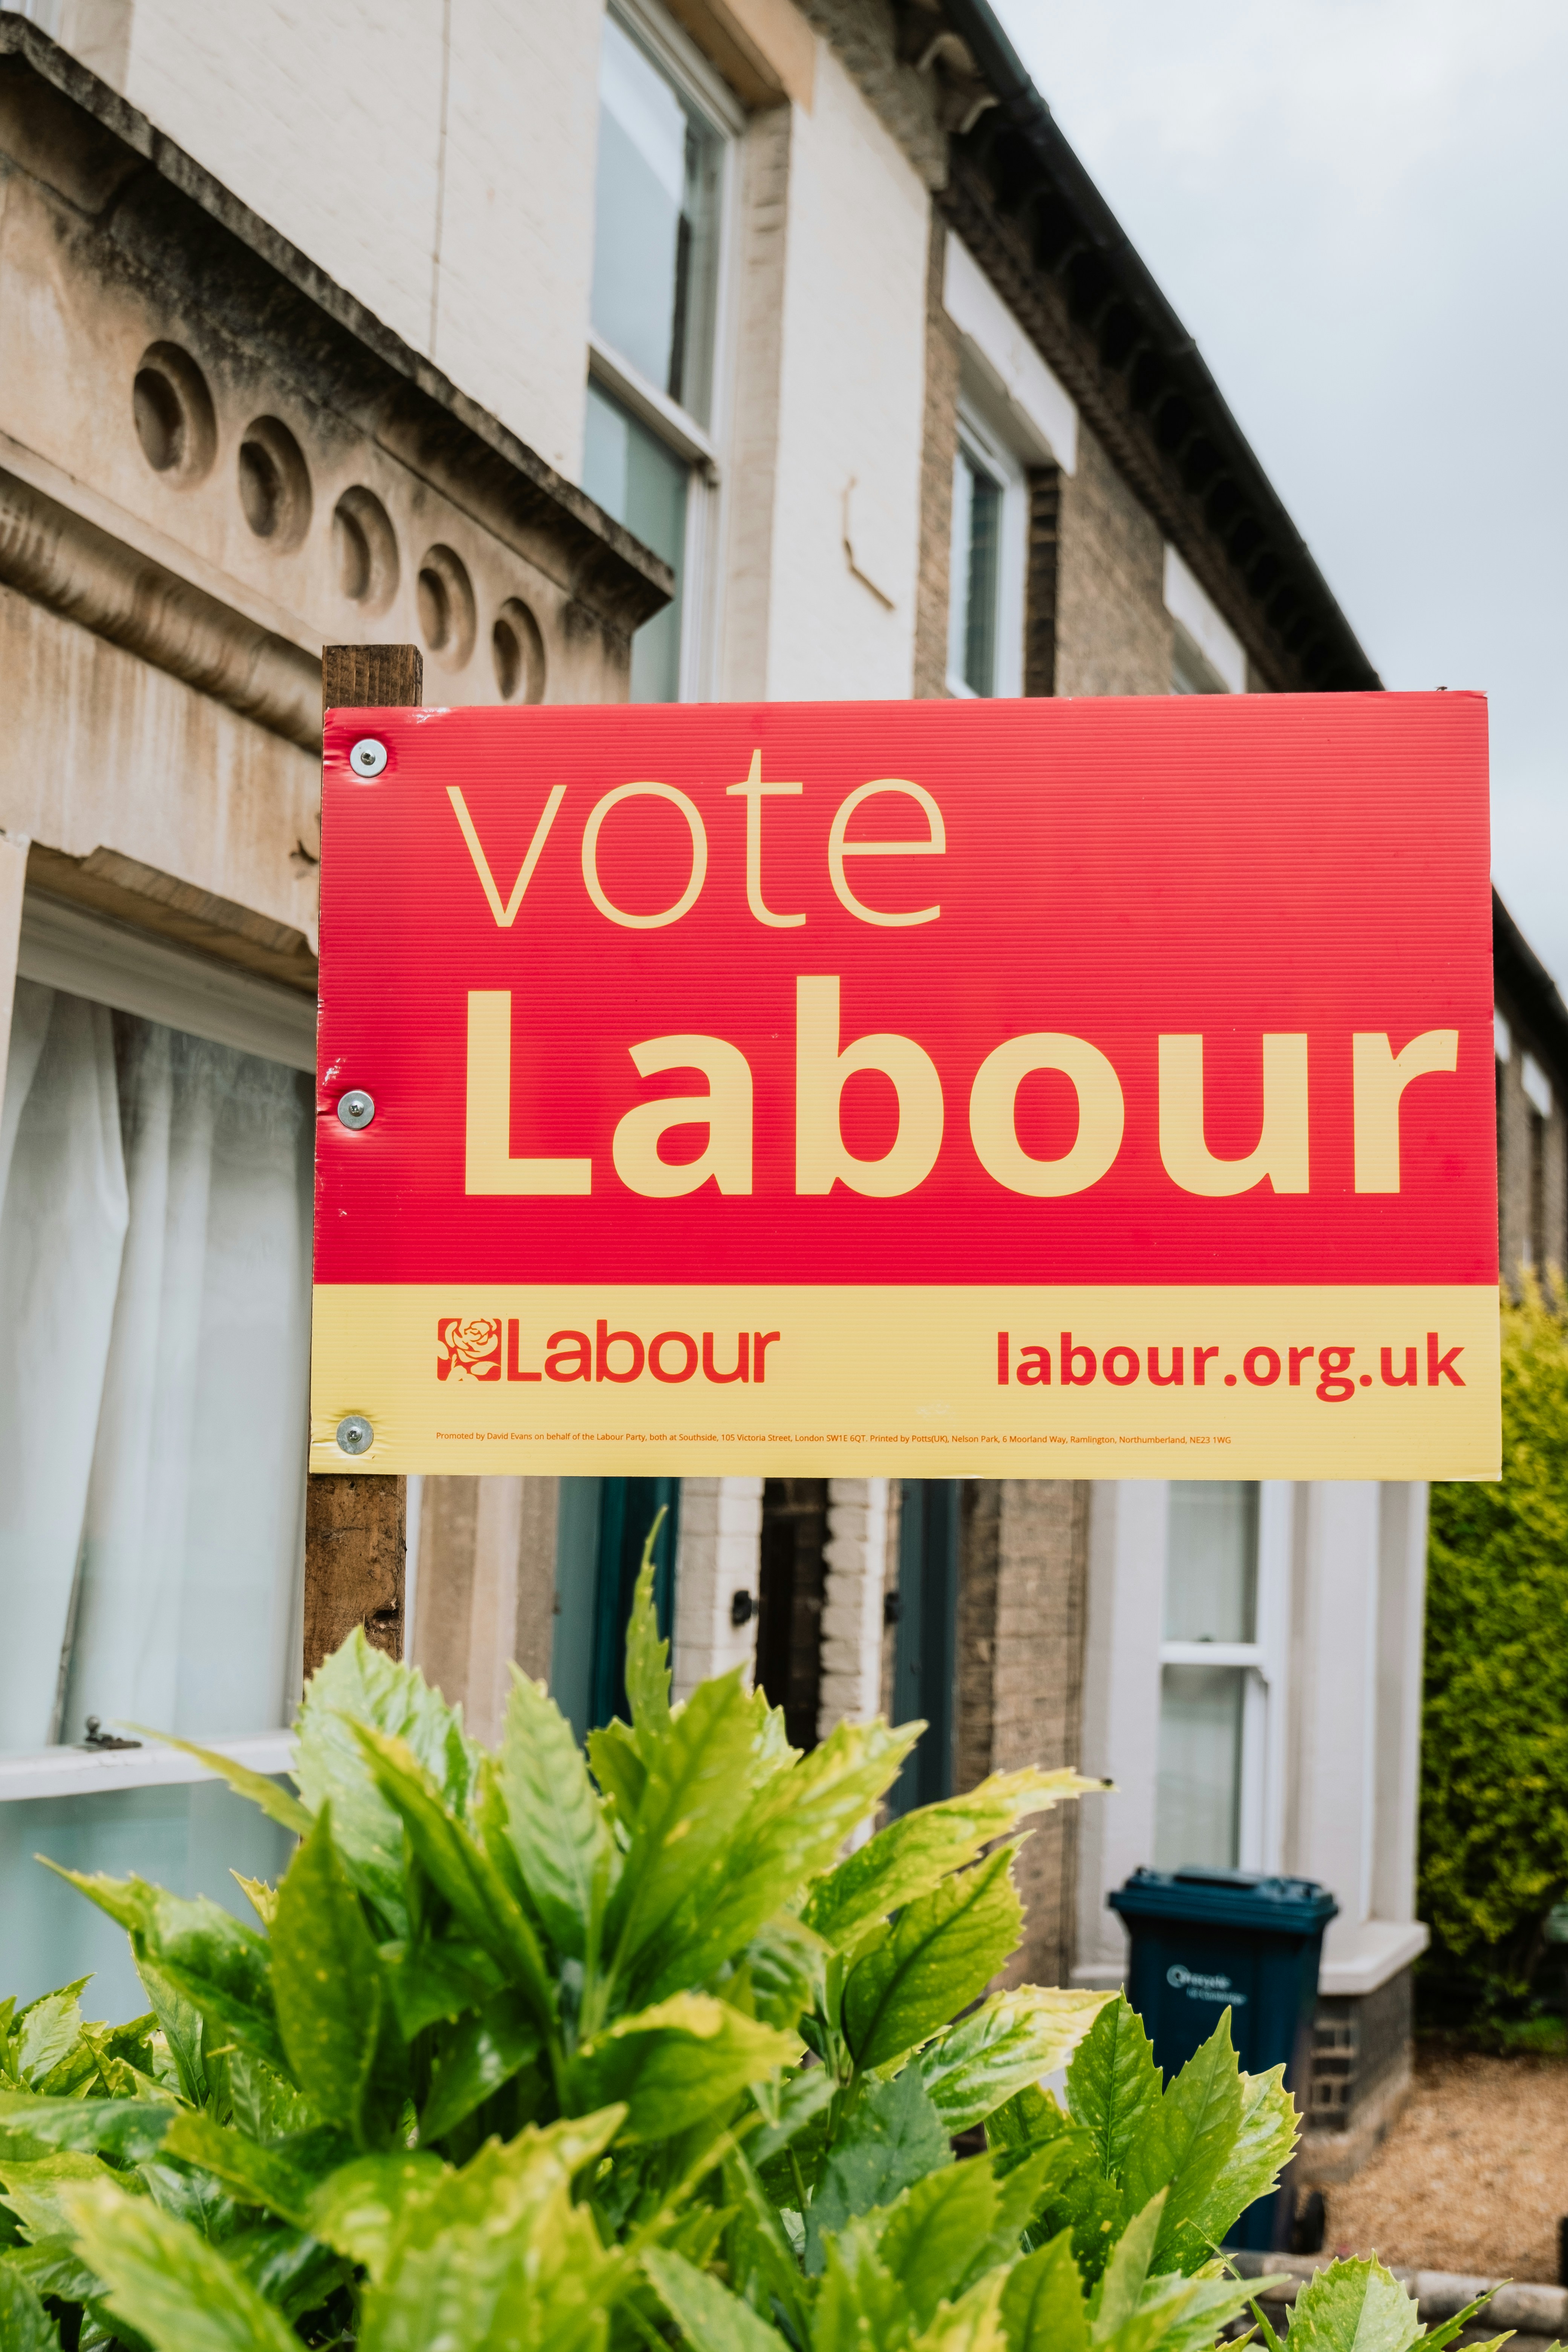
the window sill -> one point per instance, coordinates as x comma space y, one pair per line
86, 1772
668, 418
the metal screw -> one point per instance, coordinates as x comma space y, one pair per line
355, 1434
356, 1108
368, 757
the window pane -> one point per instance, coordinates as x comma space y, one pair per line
984, 520
154, 1304
187, 1839
1197, 1800
629, 472
1211, 1578
656, 223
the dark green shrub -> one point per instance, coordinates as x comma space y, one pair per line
1494, 1749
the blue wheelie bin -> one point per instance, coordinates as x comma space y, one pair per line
1208, 1940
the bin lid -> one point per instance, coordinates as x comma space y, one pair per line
1227, 1898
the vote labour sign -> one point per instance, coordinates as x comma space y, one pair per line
947, 1088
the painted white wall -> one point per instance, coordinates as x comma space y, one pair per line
1120, 1708
1189, 603
1345, 1731
718, 1554
851, 405
1035, 402
859, 1528
471, 237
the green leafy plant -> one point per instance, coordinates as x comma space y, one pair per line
582, 2054
1494, 1757
1357, 2306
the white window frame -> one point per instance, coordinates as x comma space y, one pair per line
704, 448
979, 438
1265, 1663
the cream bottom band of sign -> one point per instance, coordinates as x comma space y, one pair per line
1251, 1382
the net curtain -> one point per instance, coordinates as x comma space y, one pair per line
154, 1294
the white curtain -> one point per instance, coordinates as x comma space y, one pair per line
154, 1297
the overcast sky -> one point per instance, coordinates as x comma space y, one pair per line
1360, 209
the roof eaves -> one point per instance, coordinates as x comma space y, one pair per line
1027, 111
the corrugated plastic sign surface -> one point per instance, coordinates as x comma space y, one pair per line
948, 1088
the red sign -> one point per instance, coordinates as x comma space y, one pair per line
1072, 1087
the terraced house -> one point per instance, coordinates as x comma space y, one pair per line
676, 349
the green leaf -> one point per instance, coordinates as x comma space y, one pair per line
1433, 2340
24, 2325
911, 1977
1074, 2193
180, 2024
710, 2318
359, 1685
805, 2095
45, 2031
1128, 2268
460, 1869
262, 1898
648, 1656
275, 1802
208, 1956
1042, 2303
674, 2063
936, 2233
34, 2190
974, 2324
557, 1831
52, 2267
619, 1768
1353, 2306
793, 1826
697, 1788
126, 2129
859, 2306
759, 2249
253, 2174
914, 1853
1187, 2149
1010, 2042
475, 2057
893, 2138
1265, 2139
327, 1977
786, 1965
1113, 2088
360, 2209
170, 2286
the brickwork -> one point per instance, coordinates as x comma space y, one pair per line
1040, 598
1021, 1597
939, 448
1533, 1177
1113, 632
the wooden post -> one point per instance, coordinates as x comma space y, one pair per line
355, 1523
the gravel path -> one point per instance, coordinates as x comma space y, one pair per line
1473, 2177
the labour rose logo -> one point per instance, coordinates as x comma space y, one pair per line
468, 1348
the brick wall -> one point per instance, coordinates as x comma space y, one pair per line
1113, 634
938, 449
1021, 1574
1530, 1159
